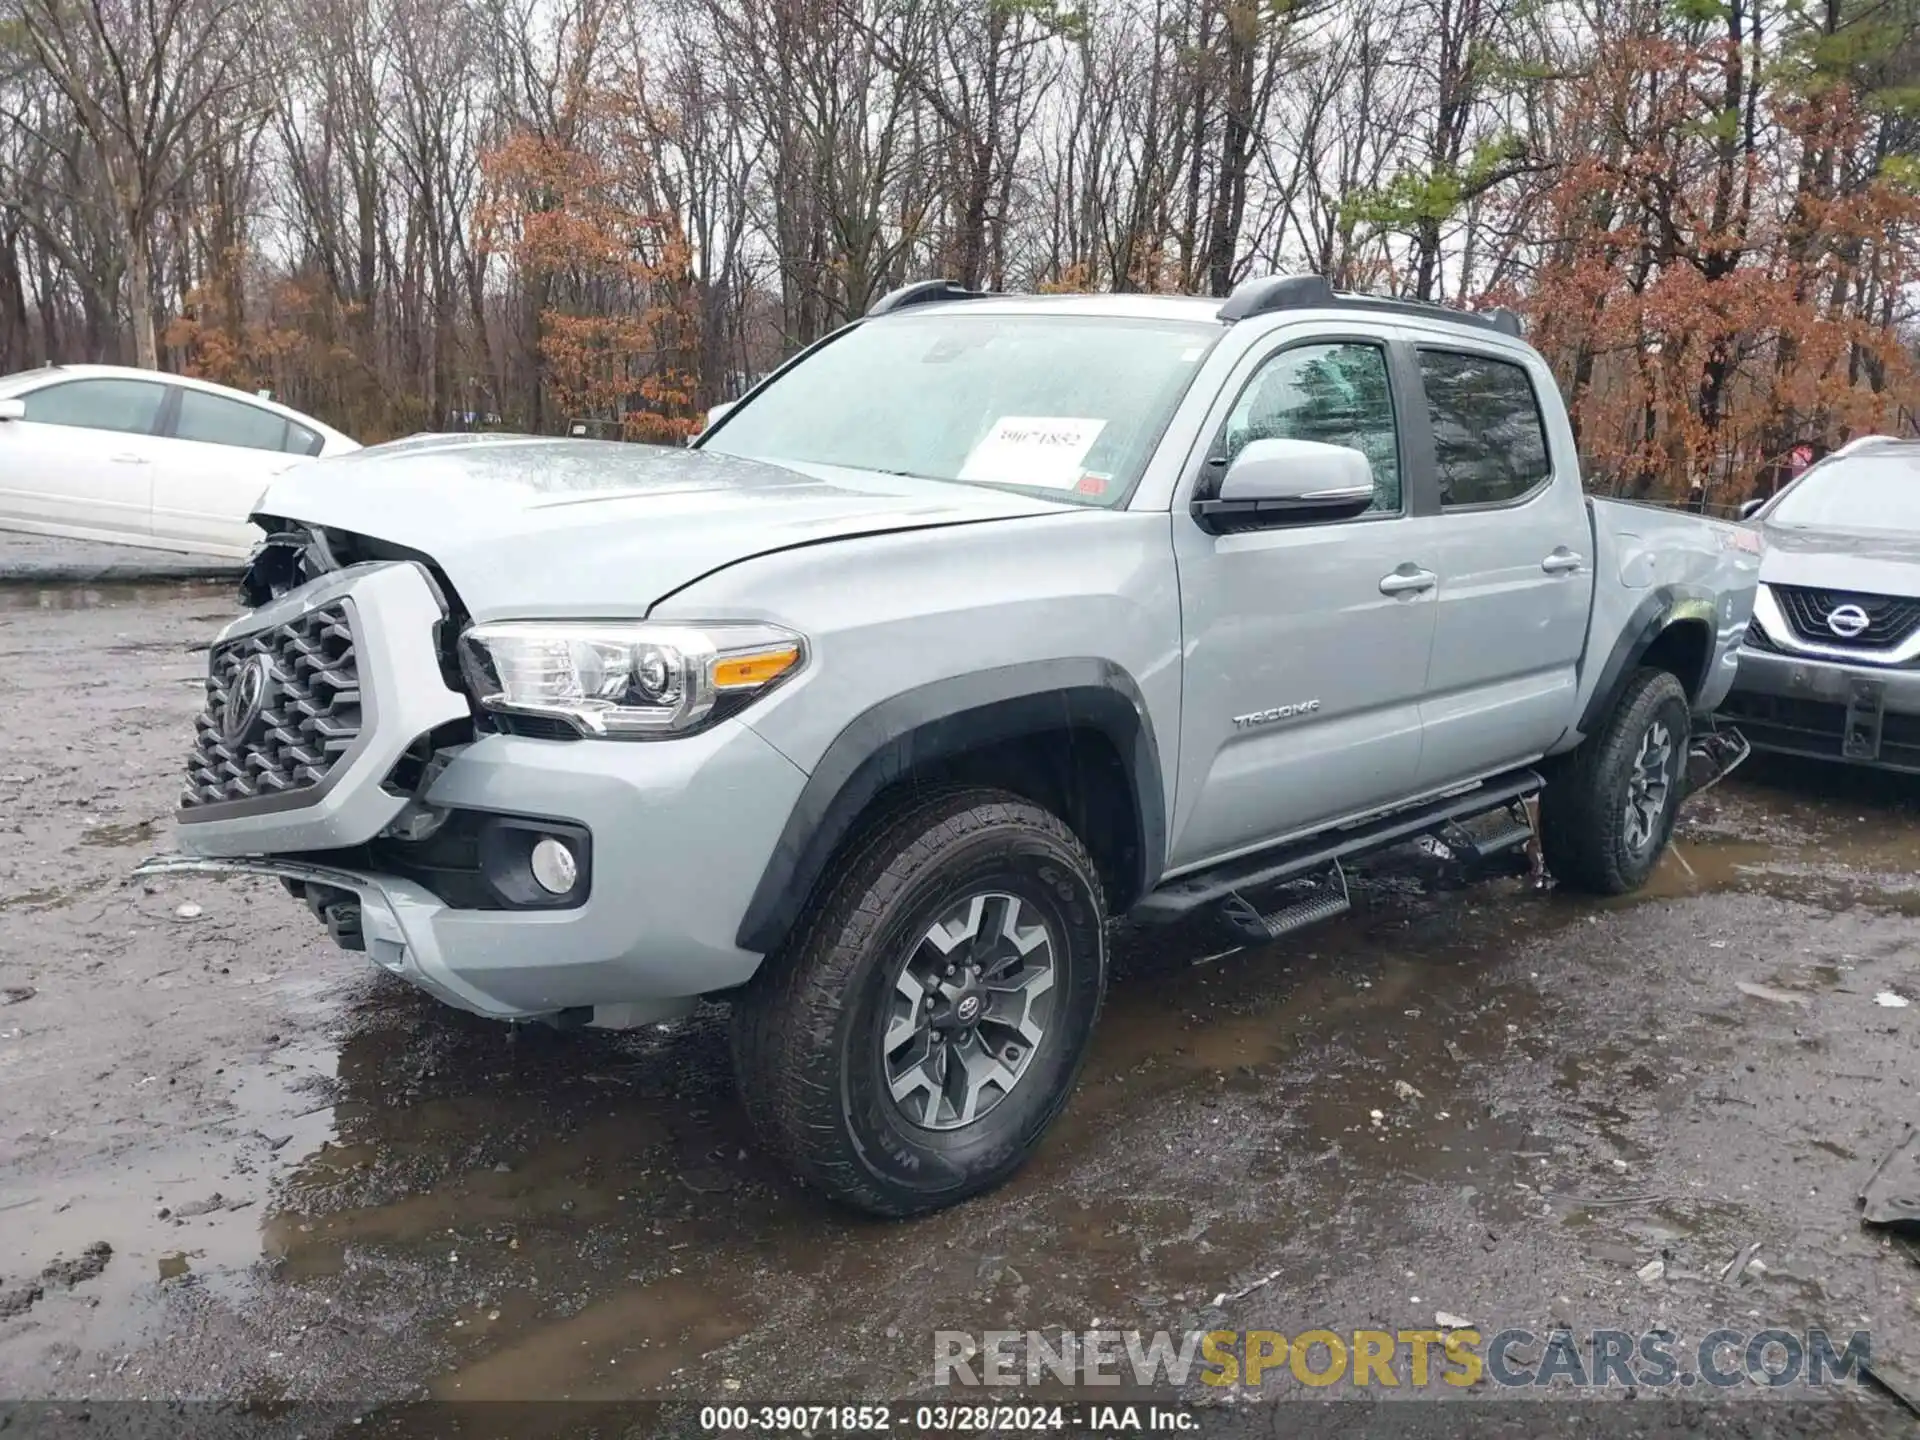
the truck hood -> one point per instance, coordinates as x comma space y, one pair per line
525, 527
1865, 562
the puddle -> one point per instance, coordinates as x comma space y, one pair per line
632, 1342
133, 832
1826, 836
182, 1206
595, 1204
585, 1215
46, 898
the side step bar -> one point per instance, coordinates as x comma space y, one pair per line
1179, 898
1329, 899
1463, 844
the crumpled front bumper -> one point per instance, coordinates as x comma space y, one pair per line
395, 919
680, 833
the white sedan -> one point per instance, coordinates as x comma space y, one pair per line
98, 452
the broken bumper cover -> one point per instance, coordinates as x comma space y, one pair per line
395, 919
681, 831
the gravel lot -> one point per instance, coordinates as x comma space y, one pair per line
1502, 1104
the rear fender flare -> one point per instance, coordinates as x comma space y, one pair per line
1663, 608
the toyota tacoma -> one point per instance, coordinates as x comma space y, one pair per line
982, 622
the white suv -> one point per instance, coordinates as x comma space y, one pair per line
99, 452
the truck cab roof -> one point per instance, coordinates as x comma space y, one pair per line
1267, 295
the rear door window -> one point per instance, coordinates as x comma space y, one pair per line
1488, 434
128, 407
301, 440
216, 420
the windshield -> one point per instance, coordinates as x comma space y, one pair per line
1863, 492
1066, 405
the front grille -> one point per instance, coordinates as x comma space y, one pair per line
307, 717
1891, 618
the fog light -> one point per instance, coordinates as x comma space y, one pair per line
554, 867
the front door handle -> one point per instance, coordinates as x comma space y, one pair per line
1561, 562
130, 460
1408, 580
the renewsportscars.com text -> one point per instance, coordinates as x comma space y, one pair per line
1402, 1359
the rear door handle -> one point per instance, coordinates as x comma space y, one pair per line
130, 460
1561, 562
1408, 581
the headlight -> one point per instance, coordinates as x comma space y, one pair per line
634, 681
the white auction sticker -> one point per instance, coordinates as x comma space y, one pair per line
1033, 450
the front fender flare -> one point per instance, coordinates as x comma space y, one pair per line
932, 723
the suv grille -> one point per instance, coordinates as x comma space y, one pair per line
282, 707
1890, 618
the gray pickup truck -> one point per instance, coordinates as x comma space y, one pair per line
980, 623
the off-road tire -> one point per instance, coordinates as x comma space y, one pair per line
1583, 826
807, 1049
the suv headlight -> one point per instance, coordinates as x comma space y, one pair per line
633, 681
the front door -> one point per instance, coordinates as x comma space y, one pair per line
82, 456
1306, 645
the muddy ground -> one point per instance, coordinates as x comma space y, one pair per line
314, 1184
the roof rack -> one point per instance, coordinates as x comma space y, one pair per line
1270, 294
922, 292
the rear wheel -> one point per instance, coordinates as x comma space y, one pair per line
1606, 816
912, 1042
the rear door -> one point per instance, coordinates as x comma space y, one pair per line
1306, 643
83, 455
1513, 548
220, 454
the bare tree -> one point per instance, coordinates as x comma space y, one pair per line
151, 84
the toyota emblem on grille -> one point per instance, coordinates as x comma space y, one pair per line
1847, 621
246, 698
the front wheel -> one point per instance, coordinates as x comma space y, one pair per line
1606, 816
916, 1036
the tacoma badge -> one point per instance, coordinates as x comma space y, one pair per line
1278, 712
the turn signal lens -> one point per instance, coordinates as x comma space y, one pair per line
745, 672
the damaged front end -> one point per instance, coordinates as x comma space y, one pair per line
329, 712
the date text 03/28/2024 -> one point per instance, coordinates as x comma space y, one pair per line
962, 1419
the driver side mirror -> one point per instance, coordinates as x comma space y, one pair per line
13, 409
1751, 508
1283, 482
